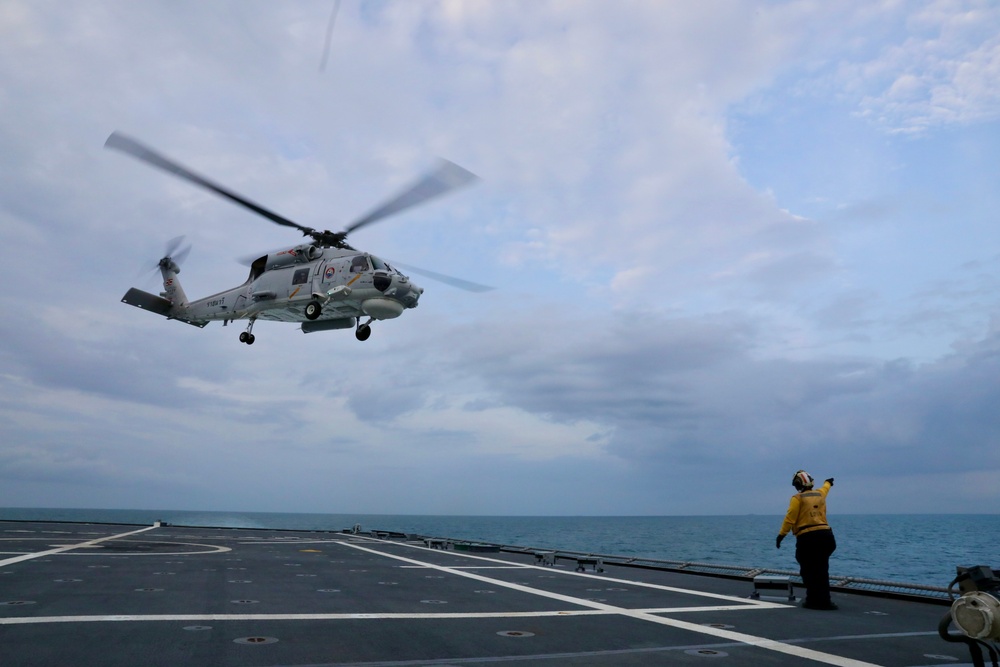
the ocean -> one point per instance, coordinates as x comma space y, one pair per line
910, 548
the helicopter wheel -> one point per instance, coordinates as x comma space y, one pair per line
363, 332
250, 339
243, 336
313, 309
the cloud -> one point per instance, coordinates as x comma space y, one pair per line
661, 320
947, 72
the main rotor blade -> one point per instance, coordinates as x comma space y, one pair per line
466, 285
128, 145
446, 177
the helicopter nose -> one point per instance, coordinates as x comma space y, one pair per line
398, 287
411, 297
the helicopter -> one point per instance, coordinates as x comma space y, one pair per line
324, 284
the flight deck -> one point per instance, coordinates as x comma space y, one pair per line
118, 595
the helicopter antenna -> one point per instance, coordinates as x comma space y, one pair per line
329, 35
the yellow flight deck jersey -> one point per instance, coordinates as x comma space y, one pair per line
807, 511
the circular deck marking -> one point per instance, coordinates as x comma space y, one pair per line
244, 601
434, 602
255, 640
197, 628
721, 626
515, 633
107, 545
706, 653
66, 581
240, 581
327, 590
15, 603
148, 590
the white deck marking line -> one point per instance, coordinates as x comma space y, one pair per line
343, 616
751, 640
470, 567
70, 547
747, 602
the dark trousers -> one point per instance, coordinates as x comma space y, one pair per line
812, 551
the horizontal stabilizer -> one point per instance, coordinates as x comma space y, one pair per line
146, 301
154, 304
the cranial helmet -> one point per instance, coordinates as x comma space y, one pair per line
802, 480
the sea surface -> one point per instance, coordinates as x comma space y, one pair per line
911, 548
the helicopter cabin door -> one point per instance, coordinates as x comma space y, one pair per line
301, 287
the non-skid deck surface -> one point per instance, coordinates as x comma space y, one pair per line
75, 594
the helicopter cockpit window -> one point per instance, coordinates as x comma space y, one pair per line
379, 264
359, 264
300, 277
257, 268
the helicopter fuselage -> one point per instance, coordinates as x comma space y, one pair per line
323, 288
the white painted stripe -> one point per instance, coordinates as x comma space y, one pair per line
344, 616
469, 567
586, 575
751, 640
59, 550
760, 642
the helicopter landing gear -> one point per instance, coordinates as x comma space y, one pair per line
313, 309
246, 336
364, 330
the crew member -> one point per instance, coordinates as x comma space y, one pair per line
814, 541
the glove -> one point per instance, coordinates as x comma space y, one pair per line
777, 542
831, 481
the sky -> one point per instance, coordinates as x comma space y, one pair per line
729, 240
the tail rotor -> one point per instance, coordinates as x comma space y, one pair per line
174, 255
175, 252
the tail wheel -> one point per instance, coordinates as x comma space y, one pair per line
363, 332
313, 309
